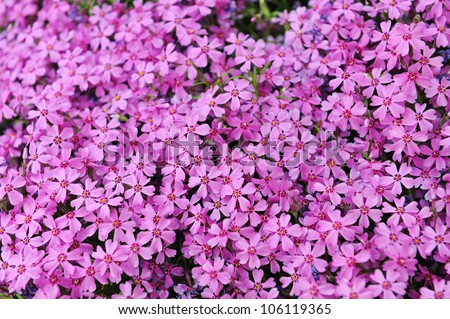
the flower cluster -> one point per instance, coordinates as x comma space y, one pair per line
157, 150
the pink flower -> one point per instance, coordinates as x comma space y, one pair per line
161, 233
108, 67
87, 196
171, 195
24, 267
107, 260
338, 225
205, 180
248, 251
348, 260
136, 247
137, 183
168, 55
441, 89
396, 8
388, 100
249, 58
441, 290
388, 285
443, 33
405, 35
237, 192
222, 234
355, 289
330, 190
405, 141
206, 49
235, 92
309, 259
366, 209
281, 232
437, 237
61, 257
421, 116
346, 77
407, 213
8, 186
144, 73
398, 178
129, 293
213, 275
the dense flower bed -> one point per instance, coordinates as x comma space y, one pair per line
181, 149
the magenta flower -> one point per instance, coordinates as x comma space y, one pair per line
405, 35
143, 74
168, 55
330, 190
8, 187
222, 235
107, 260
23, 268
388, 286
309, 259
57, 139
235, 92
347, 78
388, 100
136, 247
87, 196
311, 289
129, 293
422, 117
160, 233
405, 141
157, 150
108, 67
441, 89
396, 8
437, 237
249, 58
348, 259
63, 258
355, 289
237, 192
260, 288
119, 223
441, 290
137, 183
442, 30
365, 209
171, 196
338, 225
206, 49
213, 274
281, 232
248, 251
398, 178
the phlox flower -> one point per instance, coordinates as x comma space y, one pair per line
281, 231
338, 225
107, 260
248, 251
396, 8
388, 285
88, 195
24, 267
388, 99
330, 190
235, 92
9, 186
213, 275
